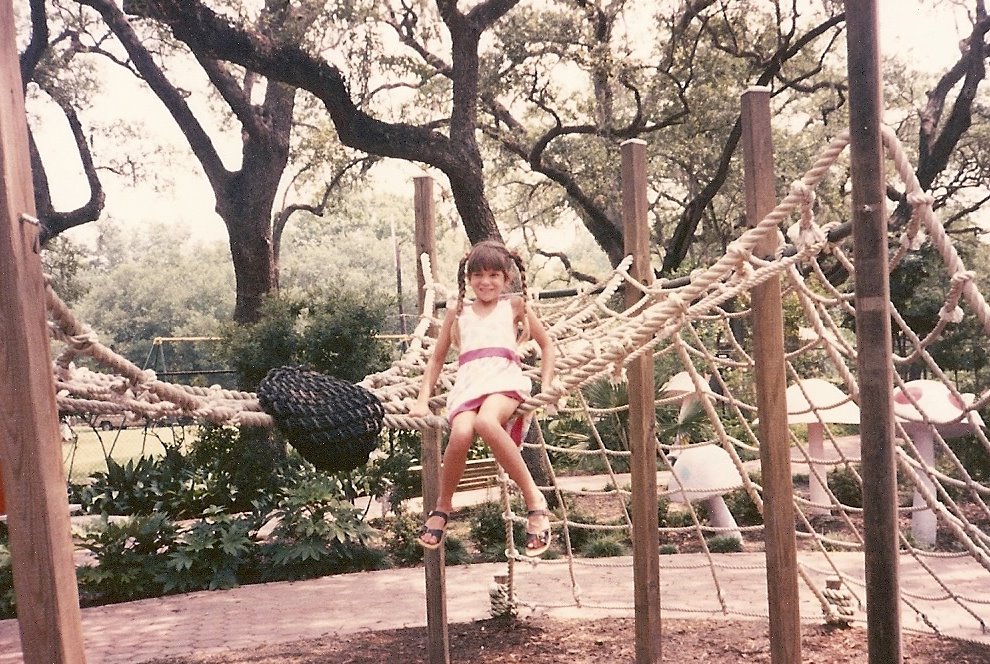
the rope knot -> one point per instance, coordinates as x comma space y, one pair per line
919, 198
738, 253
960, 278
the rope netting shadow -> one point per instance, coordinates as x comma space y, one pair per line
708, 445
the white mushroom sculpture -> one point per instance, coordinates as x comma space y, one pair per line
682, 385
921, 407
703, 473
816, 402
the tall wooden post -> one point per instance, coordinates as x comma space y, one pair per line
874, 361
430, 457
30, 446
771, 387
642, 416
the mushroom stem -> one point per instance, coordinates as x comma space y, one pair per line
924, 524
721, 517
816, 471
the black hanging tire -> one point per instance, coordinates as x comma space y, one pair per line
332, 423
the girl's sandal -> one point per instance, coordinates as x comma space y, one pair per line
438, 533
537, 543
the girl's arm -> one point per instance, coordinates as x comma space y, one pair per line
434, 365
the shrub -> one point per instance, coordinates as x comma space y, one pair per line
240, 467
603, 546
743, 509
131, 557
317, 534
974, 457
846, 487
578, 535
488, 530
724, 544
210, 554
401, 540
332, 332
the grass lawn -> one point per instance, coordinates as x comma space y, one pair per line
88, 453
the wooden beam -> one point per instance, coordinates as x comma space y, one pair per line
30, 446
874, 360
771, 387
642, 416
430, 457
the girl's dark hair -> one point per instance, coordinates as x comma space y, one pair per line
490, 255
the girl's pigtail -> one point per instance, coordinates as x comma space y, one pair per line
461, 290
517, 259
461, 284
523, 335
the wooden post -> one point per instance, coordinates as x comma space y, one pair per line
642, 416
30, 446
430, 457
874, 359
771, 387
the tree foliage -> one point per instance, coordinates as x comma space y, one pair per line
523, 106
328, 331
157, 284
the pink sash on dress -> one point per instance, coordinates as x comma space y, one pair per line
516, 426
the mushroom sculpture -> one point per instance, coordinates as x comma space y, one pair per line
703, 473
681, 385
922, 407
816, 402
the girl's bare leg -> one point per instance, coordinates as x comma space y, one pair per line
492, 416
454, 459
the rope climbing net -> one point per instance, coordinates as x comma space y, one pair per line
694, 329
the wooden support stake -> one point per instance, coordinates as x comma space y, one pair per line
430, 457
874, 360
642, 416
771, 387
30, 446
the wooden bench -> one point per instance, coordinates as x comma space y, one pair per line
478, 474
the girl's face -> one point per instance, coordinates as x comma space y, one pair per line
487, 284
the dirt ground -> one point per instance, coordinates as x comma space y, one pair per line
544, 641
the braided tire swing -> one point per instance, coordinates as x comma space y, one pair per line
333, 424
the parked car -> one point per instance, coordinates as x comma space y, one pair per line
108, 421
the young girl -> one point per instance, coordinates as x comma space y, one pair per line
489, 384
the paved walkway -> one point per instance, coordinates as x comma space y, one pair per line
250, 616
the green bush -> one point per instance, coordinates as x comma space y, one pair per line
332, 332
603, 546
846, 487
240, 466
224, 468
400, 538
488, 530
210, 554
724, 544
317, 534
743, 509
974, 457
131, 557
578, 535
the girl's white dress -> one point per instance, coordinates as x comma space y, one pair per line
488, 364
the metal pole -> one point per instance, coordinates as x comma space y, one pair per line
874, 361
